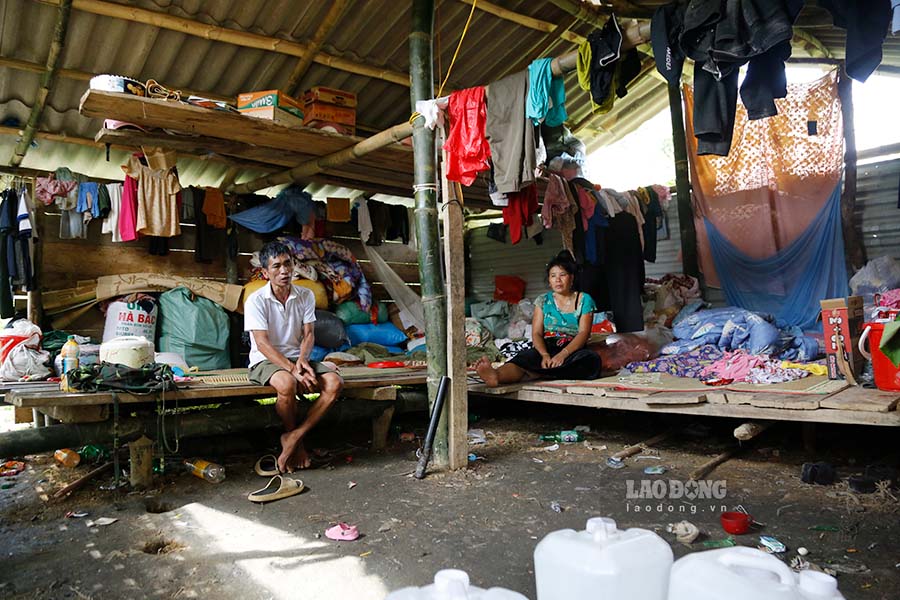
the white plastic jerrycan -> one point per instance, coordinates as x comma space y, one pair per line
453, 584
602, 563
746, 574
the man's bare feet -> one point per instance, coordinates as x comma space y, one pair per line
487, 372
289, 442
301, 458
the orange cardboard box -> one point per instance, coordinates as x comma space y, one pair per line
329, 96
319, 111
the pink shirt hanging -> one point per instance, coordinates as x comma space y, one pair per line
128, 210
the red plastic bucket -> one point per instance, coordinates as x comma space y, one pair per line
887, 376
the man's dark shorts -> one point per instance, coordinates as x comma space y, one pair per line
262, 372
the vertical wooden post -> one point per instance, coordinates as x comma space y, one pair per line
683, 186
454, 257
421, 72
853, 246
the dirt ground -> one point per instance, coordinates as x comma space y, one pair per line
190, 539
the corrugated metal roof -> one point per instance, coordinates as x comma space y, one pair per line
375, 32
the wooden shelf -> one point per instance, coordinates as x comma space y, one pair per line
253, 143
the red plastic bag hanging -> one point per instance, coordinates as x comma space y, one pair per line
467, 149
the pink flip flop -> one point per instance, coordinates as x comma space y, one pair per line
342, 532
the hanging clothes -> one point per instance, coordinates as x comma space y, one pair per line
128, 210
558, 210
546, 94
194, 199
867, 24
8, 202
593, 237
214, 208
337, 210
510, 135
25, 239
88, 200
363, 220
520, 213
625, 272
399, 223
652, 223
291, 203
467, 149
379, 216
588, 205
111, 222
157, 205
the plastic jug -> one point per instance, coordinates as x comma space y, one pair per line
453, 584
746, 574
69, 354
602, 563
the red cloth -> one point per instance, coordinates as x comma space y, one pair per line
128, 210
523, 205
467, 149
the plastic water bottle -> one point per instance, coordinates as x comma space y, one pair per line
453, 584
69, 354
602, 563
204, 469
566, 436
67, 457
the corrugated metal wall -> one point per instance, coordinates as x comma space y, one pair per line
876, 211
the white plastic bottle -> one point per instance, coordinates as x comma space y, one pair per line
742, 573
69, 354
602, 563
453, 584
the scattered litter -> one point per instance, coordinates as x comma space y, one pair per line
771, 545
615, 463
407, 436
537, 460
551, 448
11, 467
802, 551
685, 531
848, 568
588, 445
474, 457
582, 489
723, 543
351, 485
583, 428
655, 470
365, 554
852, 550
76, 514
820, 473
872, 546
834, 528
387, 525
348, 459
647, 457
102, 521
7, 486
477, 436
555, 507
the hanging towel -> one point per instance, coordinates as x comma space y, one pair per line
520, 213
214, 208
546, 95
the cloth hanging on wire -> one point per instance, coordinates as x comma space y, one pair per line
290, 203
790, 283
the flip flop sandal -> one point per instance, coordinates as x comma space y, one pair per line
342, 532
278, 487
267, 466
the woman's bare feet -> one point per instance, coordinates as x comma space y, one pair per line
487, 372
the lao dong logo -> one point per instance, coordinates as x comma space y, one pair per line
674, 495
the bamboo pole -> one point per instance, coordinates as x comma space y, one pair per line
245, 39
689, 260
853, 246
335, 159
421, 71
525, 21
335, 12
56, 48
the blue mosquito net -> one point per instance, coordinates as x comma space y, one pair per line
790, 283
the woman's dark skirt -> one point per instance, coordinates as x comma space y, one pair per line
582, 364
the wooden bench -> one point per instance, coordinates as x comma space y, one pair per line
212, 387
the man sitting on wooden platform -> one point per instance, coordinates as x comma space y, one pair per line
280, 318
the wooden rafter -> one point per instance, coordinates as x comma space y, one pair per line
245, 39
56, 48
335, 12
596, 16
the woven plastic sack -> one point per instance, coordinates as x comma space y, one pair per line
351, 314
195, 328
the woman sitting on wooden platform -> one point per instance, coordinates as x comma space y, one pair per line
561, 328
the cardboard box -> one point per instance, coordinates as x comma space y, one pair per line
272, 113
330, 113
329, 96
842, 319
269, 98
